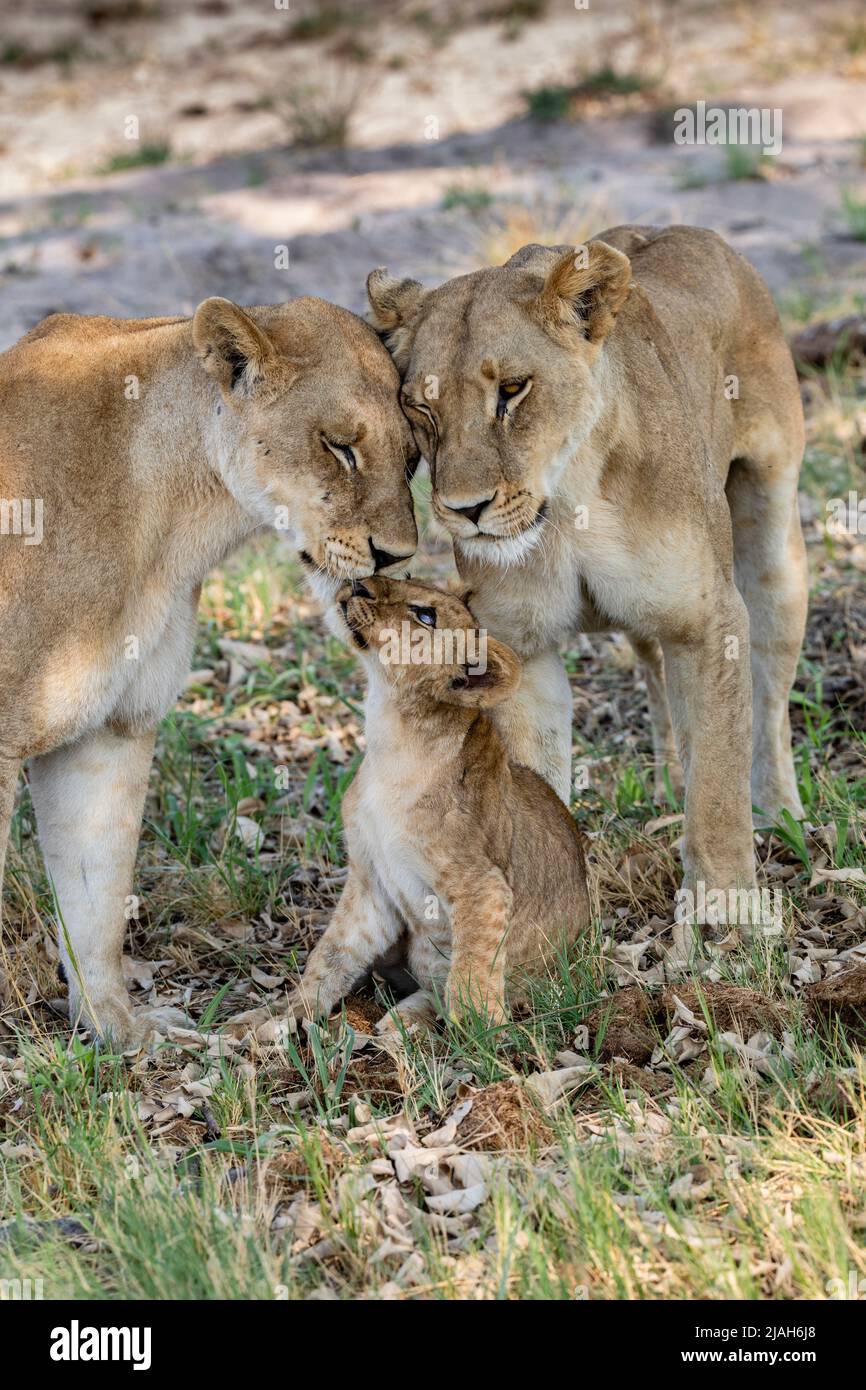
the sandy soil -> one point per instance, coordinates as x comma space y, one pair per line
221, 84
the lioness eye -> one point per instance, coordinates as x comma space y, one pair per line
427, 616
508, 391
344, 452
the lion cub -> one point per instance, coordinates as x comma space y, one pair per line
465, 869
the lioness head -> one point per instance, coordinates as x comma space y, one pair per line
498, 381
426, 644
310, 434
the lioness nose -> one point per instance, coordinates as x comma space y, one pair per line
473, 512
382, 559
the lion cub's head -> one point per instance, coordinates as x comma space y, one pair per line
426, 644
309, 431
498, 382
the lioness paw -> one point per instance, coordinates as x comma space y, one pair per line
125, 1028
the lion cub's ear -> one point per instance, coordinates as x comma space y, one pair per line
393, 306
233, 349
500, 678
586, 288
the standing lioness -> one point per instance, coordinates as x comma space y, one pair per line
134, 454
615, 434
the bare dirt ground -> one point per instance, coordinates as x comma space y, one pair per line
220, 92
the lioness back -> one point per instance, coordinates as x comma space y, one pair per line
73, 395
698, 301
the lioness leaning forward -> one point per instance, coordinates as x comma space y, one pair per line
153, 447
615, 434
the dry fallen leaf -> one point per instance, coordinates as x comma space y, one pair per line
549, 1086
819, 875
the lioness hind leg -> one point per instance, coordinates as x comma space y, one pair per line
665, 758
771, 574
709, 684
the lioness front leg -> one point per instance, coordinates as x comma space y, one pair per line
709, 688
89, 798
535, 723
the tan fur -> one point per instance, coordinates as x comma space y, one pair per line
464, 868
644, 478
155, 446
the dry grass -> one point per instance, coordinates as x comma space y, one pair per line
318, 113
553, 219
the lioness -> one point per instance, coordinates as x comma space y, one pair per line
464, 868
149, 449
614, 434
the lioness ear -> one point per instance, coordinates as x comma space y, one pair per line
392, 302
233, 349
500, 677
536, 257
586, 288
393, 306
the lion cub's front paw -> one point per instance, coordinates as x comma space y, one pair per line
463, 997
417, 1010
495, 1013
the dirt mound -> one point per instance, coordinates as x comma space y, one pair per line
375, 1076
284, 1174
632, 1079
624, 1025
732, 1008
504, 1116
841, 997
631, 1022
363, 1013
